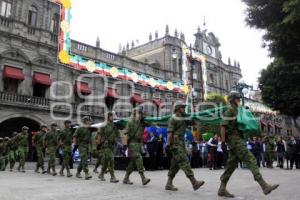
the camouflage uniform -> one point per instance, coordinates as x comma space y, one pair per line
238, 152
134, 130
2, 159
177, 127
97, 152
22, 142
65, 139
6, 152
38, 140
13, 152
83, 137
108, 135
51, 144
269, 153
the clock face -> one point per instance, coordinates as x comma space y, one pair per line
208, 50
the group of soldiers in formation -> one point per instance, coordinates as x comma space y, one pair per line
107, 137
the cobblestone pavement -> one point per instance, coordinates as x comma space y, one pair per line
31, 186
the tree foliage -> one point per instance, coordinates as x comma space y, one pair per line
280, 87
279, 83
281, 21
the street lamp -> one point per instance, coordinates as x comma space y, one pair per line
243, 89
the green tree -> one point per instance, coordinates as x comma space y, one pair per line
281, 21
280, 87
279, 83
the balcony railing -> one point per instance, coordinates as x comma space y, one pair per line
43, 103
24, 99
5, 22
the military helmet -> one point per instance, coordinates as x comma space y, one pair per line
6, 138
110, 113
138, 110
43, 126
233, 95
53, 124
179, 105
25, 128
86, 119
67, 121
14, 134
1, 139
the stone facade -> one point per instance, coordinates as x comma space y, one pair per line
28, 38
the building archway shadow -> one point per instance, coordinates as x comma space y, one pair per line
8, 126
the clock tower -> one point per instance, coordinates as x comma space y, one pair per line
207, 44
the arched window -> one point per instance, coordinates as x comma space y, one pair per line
54, 23
32, 16
5, 8
212, 78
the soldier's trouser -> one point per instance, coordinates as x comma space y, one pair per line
135, 160
2, 163
66, 158
22, 152
239, 152
83, 165
40, 157
52, 157
269, 159
99, 158
12, 159
6, 159
179, 161
108, 160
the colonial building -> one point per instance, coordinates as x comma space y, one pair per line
35, 89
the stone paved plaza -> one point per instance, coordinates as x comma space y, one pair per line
31, 186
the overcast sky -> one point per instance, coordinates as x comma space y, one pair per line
121, 21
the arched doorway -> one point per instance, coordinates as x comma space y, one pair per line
11, 125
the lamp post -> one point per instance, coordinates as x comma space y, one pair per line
192, 62
243, 89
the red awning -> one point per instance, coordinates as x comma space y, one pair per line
157, 102
13, 73
82, 87
137, 99
112, 93
263, 123
41, 78
270, 125
278, 126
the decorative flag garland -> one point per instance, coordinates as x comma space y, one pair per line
80, 63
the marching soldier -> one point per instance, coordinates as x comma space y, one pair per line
97, 153
238, 151
65, 140
83, 137
13, 151
22, 143
134, 130
6, 151
2, 159
50, 141
269, 152
107, 139
38, 141
176, 130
